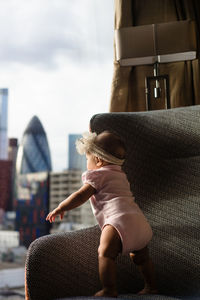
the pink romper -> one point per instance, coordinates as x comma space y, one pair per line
113, 204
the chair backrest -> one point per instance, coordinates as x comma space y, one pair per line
163, 167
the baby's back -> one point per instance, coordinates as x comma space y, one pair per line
113, 196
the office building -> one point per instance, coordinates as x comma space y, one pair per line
12, 155
12, 149
75, 160
63, 184
33, 153
3, 124
8, 239
32, 206
5, 183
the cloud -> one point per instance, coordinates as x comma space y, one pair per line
38, 32
56, 59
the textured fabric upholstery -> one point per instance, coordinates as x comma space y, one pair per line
163, 167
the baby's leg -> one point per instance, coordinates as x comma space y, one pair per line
109, 248
142, 259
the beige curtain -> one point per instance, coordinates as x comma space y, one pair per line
128, 85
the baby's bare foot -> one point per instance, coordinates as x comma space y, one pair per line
107, 293
148, 290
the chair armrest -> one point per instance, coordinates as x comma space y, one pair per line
63, 264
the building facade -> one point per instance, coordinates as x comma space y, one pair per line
5, 183
3, 124
32, 206
63, 184
33, 153
12, 149
12, 156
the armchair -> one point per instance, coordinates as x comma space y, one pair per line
163, 167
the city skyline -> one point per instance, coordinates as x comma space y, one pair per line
58, 68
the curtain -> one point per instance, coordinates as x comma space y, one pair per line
128, 84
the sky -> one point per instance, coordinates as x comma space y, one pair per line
56, 59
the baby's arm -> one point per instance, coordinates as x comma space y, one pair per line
74, 200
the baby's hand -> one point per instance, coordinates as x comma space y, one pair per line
52, 215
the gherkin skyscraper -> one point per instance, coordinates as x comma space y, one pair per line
33, 153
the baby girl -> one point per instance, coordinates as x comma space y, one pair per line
124, 228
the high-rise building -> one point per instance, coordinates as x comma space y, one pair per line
63, 184
76, 161
12, 149
33, 153
32, 206
3, 124
12, 156
5, 183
